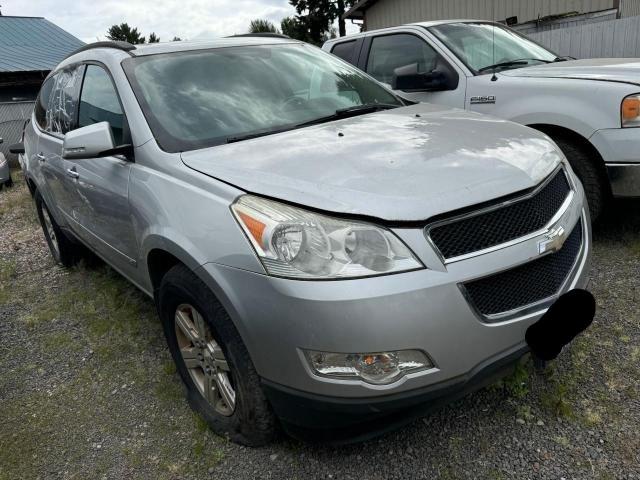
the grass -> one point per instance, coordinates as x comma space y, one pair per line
93, 368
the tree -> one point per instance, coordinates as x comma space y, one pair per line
294, 28
125, 33
318, 16
176, 39
153, 38
262, 26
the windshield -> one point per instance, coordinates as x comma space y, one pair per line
203, 98
473, 43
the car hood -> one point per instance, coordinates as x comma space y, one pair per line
404, 164
605, 69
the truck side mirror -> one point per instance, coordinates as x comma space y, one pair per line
408, 79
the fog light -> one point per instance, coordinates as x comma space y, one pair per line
376, 368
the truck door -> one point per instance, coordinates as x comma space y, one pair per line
382, 54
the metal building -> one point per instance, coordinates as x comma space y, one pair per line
29, 48
386, 13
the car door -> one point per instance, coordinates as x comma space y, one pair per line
383, 54
101, 185
55, 114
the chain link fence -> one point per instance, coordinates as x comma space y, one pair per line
12, 118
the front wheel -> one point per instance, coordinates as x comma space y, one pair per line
221, 381
584, 165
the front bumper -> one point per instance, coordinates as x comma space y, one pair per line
346, 420
620, 149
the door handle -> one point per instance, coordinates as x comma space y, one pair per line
40, 157
72, 173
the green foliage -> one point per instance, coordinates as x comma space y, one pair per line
262, 26
176, 39
294, 28
153, 38
318, 16
125, 33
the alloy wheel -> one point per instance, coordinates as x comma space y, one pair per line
204, 359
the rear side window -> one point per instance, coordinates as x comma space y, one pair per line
345, 51
393, 51
42, 102
99, 102
63, 101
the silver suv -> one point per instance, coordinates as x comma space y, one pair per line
320, 252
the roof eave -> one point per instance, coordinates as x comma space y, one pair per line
357, 11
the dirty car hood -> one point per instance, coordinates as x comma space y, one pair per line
404, 164
605, 69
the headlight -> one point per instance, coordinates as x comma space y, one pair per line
630, 111
292, 242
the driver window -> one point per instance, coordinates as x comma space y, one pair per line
99, 102
392, 51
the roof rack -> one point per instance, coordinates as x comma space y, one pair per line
117, 44
261, 34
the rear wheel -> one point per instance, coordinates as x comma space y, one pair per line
9, 183
585, 166
221, 381
62, 249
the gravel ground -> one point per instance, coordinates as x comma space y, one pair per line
88, 389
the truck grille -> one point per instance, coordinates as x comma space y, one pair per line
486, 229
526, 284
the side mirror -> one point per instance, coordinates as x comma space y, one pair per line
92, 141
408, 79
17, 148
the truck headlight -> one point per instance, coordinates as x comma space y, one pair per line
376, 368
296, 243
630, 111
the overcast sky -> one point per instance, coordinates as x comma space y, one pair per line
188, 19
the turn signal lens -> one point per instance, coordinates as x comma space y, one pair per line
630, 111
376, 368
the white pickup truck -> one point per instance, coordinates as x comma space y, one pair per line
590, 108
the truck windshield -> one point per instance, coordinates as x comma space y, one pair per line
484, 47
200, 98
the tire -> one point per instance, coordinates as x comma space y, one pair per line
62, 249
583, 164
9, 183
250, 421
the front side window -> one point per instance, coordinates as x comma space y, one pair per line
482, 45
63, 101
345, 50
389, 52
203, 98
99, 102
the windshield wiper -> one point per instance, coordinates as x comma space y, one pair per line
350, 112
563, 58
340, 113
513, 63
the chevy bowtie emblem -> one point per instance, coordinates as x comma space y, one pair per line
553, 242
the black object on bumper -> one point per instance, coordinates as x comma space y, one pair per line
569, 315
335, 420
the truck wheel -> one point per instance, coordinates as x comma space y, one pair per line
62, 249
222, 383
583, 165
9, 183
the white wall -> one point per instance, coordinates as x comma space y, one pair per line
388, 13
613, 38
